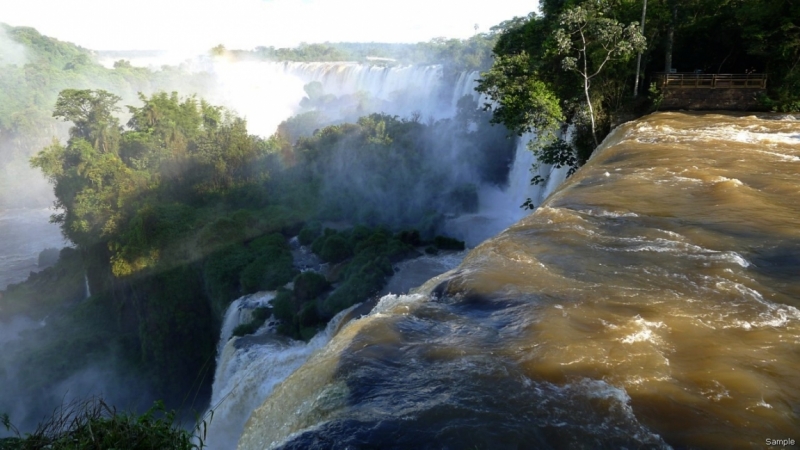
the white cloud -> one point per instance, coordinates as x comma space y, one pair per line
201, 24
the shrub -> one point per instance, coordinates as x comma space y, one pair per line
306, 333
260, 315
272, 266
246, 328
319, 242
308, 317
358, 234
336, 249
221, 232
367, 281
93, 424
272, 244
410, 237
309, 232
282, 306
446, 243
308, 286
48, 257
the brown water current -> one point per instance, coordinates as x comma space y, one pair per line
652, 301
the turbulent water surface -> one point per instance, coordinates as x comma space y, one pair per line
652, 301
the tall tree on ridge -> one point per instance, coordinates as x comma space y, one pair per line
591, 40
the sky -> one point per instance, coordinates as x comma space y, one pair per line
245, 24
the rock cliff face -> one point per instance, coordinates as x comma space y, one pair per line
651, 301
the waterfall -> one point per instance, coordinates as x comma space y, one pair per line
421, 89
500, 208
249, 368
267, 93
86, 285
465, 85
240, 312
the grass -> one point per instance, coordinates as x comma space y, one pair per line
94, 425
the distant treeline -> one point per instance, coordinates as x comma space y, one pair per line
457, 55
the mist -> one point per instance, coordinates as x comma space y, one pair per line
11, 51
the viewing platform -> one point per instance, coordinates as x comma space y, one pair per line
700, 91
711, 81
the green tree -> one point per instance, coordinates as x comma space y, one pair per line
591, 39
92, 113
519, 98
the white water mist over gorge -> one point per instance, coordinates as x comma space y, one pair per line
267, 93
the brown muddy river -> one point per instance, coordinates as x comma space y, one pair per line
651, 302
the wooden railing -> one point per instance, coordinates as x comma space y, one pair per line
711, 81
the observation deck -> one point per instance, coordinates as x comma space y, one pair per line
700, 91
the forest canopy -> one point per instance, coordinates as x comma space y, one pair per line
540, 62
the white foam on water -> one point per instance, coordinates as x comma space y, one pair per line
240, 312
397, 304
604, 213
644, 332
247, 373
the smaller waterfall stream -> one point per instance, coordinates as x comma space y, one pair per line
249, 367
86, 288
500, 208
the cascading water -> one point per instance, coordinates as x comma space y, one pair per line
249, 367
651, 301
86, 288
267, 93
500, 208
239, 312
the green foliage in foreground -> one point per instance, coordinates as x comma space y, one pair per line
93, 424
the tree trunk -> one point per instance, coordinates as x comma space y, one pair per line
639, 58
591, 110
673, 5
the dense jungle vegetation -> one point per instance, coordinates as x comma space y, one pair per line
30, 81
575, 62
